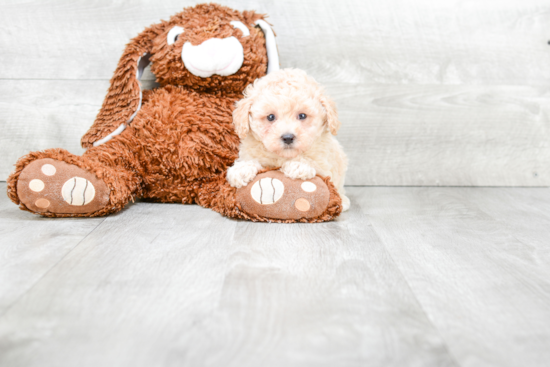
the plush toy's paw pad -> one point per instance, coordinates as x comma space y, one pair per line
273, 195
47, 185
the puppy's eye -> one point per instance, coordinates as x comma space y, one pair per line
174, 34
302, 116
271, 117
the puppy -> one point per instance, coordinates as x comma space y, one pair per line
286, 120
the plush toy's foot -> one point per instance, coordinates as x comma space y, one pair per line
272, 195
51, 186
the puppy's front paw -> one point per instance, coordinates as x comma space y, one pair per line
293, 169
241, 173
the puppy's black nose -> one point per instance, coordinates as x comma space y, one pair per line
288, 138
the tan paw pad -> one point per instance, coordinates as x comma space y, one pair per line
51, 186
78, 191
36, 185
42, 203
302, 205
308, 186
273, 195
267, 190
48, 169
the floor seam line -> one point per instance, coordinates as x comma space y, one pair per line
445, 342
49, 270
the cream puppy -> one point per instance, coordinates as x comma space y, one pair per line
285, 120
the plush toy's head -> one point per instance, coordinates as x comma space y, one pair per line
211, 46
208, 48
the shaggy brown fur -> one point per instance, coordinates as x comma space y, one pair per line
200, 23
180, 143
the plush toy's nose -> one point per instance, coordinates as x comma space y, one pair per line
288, 138
214, 56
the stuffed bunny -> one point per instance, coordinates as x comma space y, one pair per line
173, 143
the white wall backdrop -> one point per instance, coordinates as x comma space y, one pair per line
429, 92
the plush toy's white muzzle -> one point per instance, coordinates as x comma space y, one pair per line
214, 56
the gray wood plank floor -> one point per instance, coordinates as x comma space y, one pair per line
409, 277
463, 135
441, 93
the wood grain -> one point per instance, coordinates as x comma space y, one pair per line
169, 285
478, 261
390, 42
394, 135
410, 276
41, 114
30, 246
322, 295
430, 93
460, 135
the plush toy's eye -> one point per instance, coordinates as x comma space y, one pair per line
271, 117
302, 116
241, 26
173, 34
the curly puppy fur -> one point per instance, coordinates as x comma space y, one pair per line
178, 145
286, 120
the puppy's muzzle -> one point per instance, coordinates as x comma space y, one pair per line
288, 139
214, 56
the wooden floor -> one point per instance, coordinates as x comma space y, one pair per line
429, 92
409, 277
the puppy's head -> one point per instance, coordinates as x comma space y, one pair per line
287, 111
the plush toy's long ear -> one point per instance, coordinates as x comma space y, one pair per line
123, 99
332, 120
270, 45
241, 117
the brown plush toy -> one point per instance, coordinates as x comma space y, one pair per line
174, 143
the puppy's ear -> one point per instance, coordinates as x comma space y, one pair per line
241, 116
331, 120
123, 98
